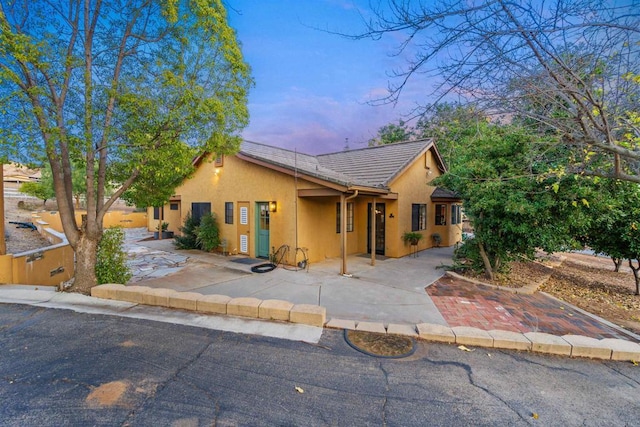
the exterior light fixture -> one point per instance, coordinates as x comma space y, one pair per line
273, 207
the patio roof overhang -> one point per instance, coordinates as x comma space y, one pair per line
361, 191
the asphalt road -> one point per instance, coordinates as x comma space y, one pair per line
62, 368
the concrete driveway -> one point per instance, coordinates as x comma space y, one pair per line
392, 291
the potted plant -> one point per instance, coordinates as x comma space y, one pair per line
437, 239
411, 237
162, 231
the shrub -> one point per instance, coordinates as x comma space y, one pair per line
208, 233
111, 266
467, 257
188, 239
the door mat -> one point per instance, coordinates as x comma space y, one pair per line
247, 261
378, 257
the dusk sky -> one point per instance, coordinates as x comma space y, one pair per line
312, 87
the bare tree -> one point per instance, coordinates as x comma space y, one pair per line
569, 67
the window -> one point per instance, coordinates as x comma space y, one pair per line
156, 212
441, 214
219, 161
349, 217
228, 212
173, 206
455, 214
198, 210
418, 217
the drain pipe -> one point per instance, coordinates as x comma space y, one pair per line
343, 229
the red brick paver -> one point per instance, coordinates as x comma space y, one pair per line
464, 303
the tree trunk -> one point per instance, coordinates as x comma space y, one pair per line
617, 262
86, 255
487, 263
636, 273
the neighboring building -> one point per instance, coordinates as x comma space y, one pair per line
264, 197
18, 174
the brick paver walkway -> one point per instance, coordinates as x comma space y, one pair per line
463, 303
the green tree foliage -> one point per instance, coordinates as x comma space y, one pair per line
208, 233
188, 239
577, 59
388, 134
614, 226
41, 190
118, 92
514, 209
111, 265
449, 124
45, 190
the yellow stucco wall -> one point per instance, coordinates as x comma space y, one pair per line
6, 268
49, 266
111, 219
413, 186
241, 181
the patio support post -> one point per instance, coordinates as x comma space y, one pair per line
343, 232
373, 231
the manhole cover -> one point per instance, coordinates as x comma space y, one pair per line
380, 345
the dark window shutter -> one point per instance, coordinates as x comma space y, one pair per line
415, 217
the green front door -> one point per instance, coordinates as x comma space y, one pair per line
262, 244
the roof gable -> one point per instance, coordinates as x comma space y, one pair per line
378, 165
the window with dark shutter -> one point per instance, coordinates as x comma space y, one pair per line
415, 217
198, 210
228, 212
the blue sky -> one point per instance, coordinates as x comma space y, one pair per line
312, 87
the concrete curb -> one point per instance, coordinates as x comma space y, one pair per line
307, 314
567, 345
313, 315
117, 301
48, 297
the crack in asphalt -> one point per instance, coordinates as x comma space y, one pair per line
633, 380
386, 394
469, 370
161, 386
517, 357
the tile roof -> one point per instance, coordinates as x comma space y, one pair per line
443, 193
377, 165
367, 167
